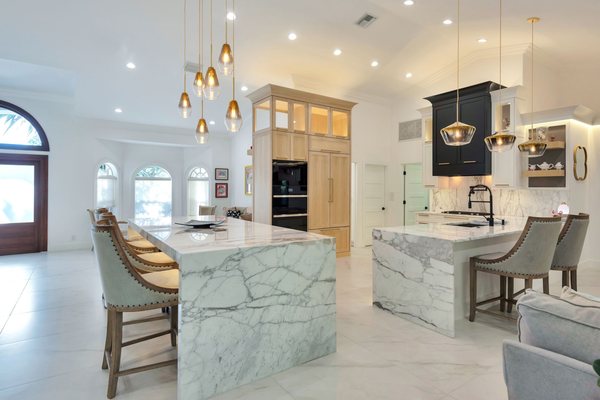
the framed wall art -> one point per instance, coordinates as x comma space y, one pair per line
221, 190
221, 174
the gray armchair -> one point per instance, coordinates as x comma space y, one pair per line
559, 341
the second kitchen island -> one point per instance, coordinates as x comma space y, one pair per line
421, 272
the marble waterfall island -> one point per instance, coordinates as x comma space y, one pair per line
255, 300
421, 272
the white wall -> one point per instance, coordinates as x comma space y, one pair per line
240, 144
78, 146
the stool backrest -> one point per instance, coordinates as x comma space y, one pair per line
533, 252
570, 242
122, 284
207, 210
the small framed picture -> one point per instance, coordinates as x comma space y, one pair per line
221, 174
248, 180
221, 190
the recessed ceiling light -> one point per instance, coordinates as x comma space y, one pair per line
374, 63
211, 122
231, 16
337, 52
244, 88
447, 22
408, 75
130, 65
408, 2
118, 110
292, 36
482, 40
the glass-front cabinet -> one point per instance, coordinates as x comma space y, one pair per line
319, 120
262, 115
340, 123
299, 117
282, 112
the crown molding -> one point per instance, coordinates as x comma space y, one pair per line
39, 96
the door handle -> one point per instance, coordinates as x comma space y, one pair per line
443, 163
331, 190
469, 162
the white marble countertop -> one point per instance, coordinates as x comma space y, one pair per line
234, 233
458, 234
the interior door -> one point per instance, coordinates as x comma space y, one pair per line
339, 210
319, 195
373, 200
23, 203
416, 196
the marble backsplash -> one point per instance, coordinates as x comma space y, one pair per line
507, 202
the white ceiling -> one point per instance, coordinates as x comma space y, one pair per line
80, 47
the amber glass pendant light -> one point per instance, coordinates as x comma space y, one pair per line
233, 117
226, 57
535, 146
199, 79
211, 80
458, 133
500, 141
202, 127
185, 106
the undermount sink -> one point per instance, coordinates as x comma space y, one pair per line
468, 224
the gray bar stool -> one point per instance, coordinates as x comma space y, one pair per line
529, 259
569, 248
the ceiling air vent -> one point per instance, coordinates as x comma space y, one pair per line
366, 20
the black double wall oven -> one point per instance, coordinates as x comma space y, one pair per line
290, 194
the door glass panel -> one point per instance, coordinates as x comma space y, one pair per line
262, 115
340, 123
299, 117
281, 114
319, 120
16, 193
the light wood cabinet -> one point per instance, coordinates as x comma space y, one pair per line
292, 125
319, 190
342, 239
290, 146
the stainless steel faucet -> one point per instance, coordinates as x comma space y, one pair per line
483, 188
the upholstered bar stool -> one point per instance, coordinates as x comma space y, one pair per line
139, 245
204, 210
529, 259
140, 251
126, 290
569, 248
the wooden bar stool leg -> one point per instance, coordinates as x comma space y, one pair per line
565, 278
511, 294
108, 342
502, 293
115, 362
547, 285
174, 324
528, 283
574, 279
473, 293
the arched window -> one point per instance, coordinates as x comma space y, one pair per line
106, 186
153, 192
198, 190
19, 130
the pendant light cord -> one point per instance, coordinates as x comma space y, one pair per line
532, 23
201, 55
232, 45
226, 24
211, 33
457, 58
500, 63
184, 43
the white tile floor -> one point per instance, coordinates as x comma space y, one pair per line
51, 342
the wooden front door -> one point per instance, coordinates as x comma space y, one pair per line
23, 203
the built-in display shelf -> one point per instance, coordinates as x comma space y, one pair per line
544, 173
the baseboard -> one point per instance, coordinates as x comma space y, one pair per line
69, 246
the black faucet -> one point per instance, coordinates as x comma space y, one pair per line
483, 188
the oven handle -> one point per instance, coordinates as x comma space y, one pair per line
289, 196
289, 215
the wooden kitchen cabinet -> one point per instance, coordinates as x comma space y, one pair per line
292, 125
290, 146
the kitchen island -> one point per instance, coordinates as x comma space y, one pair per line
421, 272
255, 300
